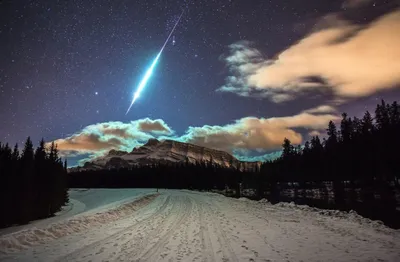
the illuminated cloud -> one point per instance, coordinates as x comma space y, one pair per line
87, 142
314, 133
265, 157
103, 137
247, 134
321, 109
256, 134
158, 126
346, 59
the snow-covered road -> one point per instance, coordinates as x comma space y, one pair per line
194, 226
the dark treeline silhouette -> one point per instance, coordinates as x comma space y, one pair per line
33, 184
356, 167
184, 175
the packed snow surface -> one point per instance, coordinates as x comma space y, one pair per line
194, 226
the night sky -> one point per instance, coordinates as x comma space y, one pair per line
240, 76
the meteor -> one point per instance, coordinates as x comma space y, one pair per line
149, 71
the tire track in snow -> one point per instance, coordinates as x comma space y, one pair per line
141, 235
145, 233
227, 250
207, 249
77, 254
182, 215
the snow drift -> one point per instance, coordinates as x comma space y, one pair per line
34, 236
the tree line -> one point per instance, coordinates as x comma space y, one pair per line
202, 175
33, 183
359, 160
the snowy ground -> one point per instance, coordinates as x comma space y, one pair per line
84, 200
194, 226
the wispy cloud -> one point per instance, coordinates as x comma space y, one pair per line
265, 157
321, 109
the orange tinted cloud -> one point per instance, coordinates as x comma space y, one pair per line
113, 135
149, 125
352, 60
253, 133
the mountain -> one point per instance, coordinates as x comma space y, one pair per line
165, 151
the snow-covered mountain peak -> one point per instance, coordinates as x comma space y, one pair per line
166, 151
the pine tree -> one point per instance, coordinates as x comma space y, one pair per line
367, 125
15, 153
356, 127
65, 183
346, 128
288, 149
316, 145
41, 181
27, 152
65, 165
394, 114
26, 196
6, 191
306, 148
382, 115
332, 135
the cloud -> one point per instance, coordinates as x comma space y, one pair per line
244, 137
256, 134
158, 125
321, 109
87, 142
347, 59
265, 157
103, 137
247, 133
314, 133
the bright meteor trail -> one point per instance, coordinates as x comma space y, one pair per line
149, 71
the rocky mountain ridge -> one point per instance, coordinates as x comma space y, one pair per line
166, 151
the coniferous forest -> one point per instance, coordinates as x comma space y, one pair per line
355, 167
33, 183
196, 176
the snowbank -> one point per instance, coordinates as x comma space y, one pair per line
83, 200
264, 201
74, 207
34, 236
350, 216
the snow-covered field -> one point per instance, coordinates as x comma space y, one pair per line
180, 225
